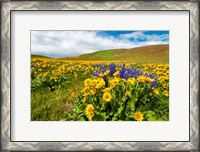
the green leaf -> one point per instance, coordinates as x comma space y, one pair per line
100, 117
160, 119
151, 116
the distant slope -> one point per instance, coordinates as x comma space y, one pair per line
145, 54
38, 56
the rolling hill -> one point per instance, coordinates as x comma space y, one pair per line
145, 54
38, 56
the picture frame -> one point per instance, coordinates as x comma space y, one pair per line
7, 7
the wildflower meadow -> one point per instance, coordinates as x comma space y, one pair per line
75, 90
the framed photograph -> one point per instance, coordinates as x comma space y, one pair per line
109, 75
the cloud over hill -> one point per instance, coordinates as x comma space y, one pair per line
73, 43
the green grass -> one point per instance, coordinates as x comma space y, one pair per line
38, 56
107, 55
49, 105
145, 54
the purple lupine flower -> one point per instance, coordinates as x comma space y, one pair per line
95, 73
112, 68
129, 70
103, 70
151, 75
132, 72
126, 75
134, 75
153, 84
122, 72
140, 73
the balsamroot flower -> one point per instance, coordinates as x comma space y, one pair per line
107, 97
155, 91
166, 93
89, 111
138, 116
131, 81
87, 82
106, 90
116, 73
141, 78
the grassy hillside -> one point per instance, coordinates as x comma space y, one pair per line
145, 54
38, 56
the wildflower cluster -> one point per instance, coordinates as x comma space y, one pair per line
125, 93
109, 91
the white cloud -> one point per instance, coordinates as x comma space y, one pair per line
72, 43
140, 35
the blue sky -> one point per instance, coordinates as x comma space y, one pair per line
73, 43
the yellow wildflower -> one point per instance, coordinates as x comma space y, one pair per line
89, 111
165, 86
93, 82
114, 81
116, 73
141, 78
100, 83
123, 79
93, 91
101, 74
166, 93
107, 96
106, 90
155, 91
128, 93
138, 116
107, 72
87, 82
149, 80
131, 81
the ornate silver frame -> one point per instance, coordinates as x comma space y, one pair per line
8, 6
